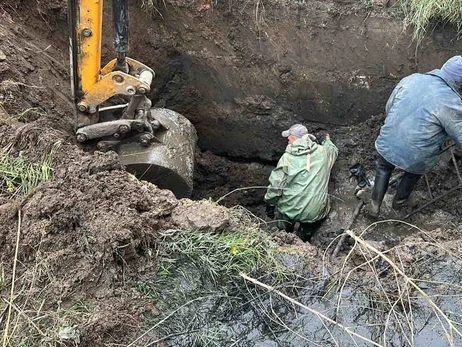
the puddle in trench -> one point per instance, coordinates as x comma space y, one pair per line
240, 313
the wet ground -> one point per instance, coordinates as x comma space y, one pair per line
379, 306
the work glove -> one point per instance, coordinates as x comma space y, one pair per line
357, 171
270, 211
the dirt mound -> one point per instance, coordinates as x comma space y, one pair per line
84, 236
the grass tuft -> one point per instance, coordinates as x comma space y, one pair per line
222, 256
198, 280
18, 176
420, 13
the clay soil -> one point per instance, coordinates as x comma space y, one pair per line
88, 235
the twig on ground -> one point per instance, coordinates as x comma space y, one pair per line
318, 314
348, 227
433, 305
13, 278
44, 50
429, 189
452, 190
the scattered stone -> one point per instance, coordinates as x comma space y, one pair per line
2, 56
350, 143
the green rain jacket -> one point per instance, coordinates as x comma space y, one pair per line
298, 185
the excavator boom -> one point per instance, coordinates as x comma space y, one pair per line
155, 144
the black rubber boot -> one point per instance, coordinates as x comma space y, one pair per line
373, 209
382, 177
404, 190
285, 223
306, 230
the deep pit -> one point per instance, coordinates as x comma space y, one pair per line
98, 263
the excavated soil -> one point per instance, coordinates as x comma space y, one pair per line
89, 234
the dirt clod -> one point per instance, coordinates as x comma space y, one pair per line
201, 215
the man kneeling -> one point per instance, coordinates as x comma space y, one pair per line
298, 185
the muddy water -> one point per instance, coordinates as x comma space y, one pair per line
245, 315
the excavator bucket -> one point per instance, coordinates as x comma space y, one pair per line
156, 145
169, 161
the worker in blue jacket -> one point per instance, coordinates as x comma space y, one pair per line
421, 113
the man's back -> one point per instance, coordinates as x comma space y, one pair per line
420, 113
302, 176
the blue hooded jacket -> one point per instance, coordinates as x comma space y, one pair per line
422, 111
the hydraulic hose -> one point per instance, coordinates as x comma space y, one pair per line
121, 32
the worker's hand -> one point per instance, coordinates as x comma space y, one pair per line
327, 137
270, 211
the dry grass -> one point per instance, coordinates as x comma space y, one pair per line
421, 13
31, 319
396, 293
402, 296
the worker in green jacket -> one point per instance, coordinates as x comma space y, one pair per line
298, 185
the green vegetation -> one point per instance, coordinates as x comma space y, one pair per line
221, 257
18, 176
210, 261
420, 13
198, 286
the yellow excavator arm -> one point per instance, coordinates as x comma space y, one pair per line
92, 86
157, 144
86, 20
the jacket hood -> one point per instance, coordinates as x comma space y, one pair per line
455, 85
302, 146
